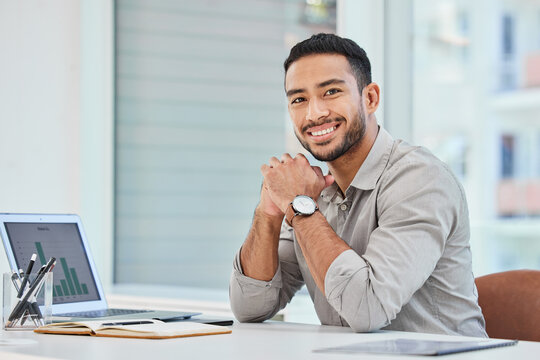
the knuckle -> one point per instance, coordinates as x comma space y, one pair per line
300, 158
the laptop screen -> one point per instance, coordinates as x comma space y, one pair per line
73, 280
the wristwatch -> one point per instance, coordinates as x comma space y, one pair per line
301, 205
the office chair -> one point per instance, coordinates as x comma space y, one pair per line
510, 302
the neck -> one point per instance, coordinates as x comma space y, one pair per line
345, 167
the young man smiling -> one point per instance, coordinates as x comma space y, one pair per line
382, 241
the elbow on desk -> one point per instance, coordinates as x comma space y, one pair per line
245, 318
363, 327
366, 320
245, 312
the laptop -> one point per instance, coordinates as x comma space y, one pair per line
77, 291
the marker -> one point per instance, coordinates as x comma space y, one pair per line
26, 275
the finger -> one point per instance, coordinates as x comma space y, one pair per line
264, 170
274, 161
318, 171
286, 158
301, 157
328, 180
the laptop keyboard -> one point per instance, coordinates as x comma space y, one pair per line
102, 313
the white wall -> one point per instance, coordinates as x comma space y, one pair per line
56, 114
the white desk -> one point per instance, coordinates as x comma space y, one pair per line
271, 340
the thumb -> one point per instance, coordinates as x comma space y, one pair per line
328, 180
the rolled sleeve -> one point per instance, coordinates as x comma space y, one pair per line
348, 290
253, 300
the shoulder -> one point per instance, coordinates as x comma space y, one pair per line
414, 167
416, 184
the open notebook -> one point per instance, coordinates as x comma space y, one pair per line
147, 329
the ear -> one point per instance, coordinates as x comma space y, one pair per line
371, 97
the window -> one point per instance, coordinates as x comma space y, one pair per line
482, 112
200, 106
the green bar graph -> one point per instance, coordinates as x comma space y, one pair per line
68, 276
68, 286
76, 281
41, 254
64, 286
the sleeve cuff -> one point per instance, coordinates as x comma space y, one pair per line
340, 272
242, 279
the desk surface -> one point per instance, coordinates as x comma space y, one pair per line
270, 340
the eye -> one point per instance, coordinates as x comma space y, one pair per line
298, 100
332, 91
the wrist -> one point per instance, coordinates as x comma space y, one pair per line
271, 218
301, 206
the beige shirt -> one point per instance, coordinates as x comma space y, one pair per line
405, 218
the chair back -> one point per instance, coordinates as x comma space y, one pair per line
510, 302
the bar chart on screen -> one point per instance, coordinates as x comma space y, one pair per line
73, 280
70, 284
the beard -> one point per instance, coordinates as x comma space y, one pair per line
354, 136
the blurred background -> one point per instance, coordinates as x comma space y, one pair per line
151, 119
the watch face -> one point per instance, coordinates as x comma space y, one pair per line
304, 204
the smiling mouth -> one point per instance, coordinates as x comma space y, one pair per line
323, 132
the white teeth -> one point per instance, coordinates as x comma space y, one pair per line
323, 132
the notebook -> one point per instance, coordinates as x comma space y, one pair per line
77, 291
145, 329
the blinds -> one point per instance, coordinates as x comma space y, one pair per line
200, 106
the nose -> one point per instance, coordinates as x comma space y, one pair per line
317, 109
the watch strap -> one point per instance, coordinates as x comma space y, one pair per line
290, 213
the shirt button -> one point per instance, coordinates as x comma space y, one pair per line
343, 207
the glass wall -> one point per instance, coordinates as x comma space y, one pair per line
476, 104
200, 107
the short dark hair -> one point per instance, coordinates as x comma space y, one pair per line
332, 44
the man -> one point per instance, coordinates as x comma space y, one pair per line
382, 241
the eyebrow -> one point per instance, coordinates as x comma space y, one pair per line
321, 85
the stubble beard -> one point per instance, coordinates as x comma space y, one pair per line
355, 134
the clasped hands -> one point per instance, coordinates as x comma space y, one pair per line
285, 179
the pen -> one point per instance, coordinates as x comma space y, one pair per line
40, 271
127, 323
26, 275
30, 312
32, 307
37, 311
15, 280
20, 307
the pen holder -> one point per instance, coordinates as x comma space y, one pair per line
32, 309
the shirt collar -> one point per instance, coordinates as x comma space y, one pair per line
371, 170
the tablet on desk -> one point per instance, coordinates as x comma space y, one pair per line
417, 347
